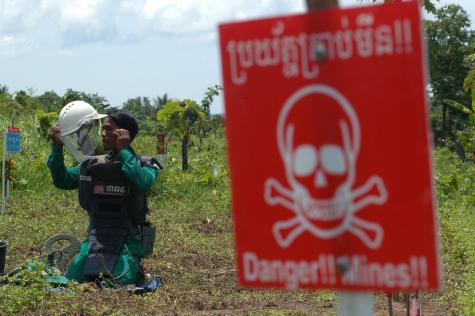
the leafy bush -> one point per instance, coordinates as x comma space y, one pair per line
28, 289
45, 121
455, 182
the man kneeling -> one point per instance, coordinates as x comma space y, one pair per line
112, 189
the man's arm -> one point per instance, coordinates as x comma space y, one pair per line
63, 178
142, 176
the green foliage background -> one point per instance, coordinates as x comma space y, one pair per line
455, 182
194, 252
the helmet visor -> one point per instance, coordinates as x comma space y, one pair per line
84, 140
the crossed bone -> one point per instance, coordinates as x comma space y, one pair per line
285, 231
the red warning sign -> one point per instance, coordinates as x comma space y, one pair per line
329, 150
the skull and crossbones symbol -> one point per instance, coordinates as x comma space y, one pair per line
318, 136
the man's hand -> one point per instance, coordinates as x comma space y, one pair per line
122, 138
54, 135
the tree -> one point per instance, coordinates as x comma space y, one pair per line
148, 108
22, 98
49, 101
208, 99
99, 103
142, 108
217, 123
180, 116
448, 40
469, 81
8, 107
467, 135
3, 89
429, 6
205, 124
159, 102
134, 106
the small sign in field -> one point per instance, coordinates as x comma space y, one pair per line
13, 144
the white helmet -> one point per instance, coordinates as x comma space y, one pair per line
74, 114
80, 127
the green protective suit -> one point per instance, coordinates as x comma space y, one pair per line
128, 263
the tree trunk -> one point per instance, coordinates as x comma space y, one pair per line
184, 151
200, 136
161, 144
459, 150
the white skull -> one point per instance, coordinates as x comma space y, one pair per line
319, 166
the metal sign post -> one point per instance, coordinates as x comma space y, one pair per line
347, 303
3, 170
354, 303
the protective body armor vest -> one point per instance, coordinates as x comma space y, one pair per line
115, 207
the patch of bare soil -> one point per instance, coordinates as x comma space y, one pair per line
286, 303
208, 227
196, 281
430, 305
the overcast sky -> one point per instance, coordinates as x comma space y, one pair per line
124, 49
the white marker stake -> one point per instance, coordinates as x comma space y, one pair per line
348, 303
8, 191
3, 170
354, 304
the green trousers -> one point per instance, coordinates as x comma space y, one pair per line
125, 270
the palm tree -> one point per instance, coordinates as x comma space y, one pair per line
159, 102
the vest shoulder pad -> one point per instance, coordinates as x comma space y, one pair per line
99, 158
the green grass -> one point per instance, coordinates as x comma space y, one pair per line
456, 213
194, 250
